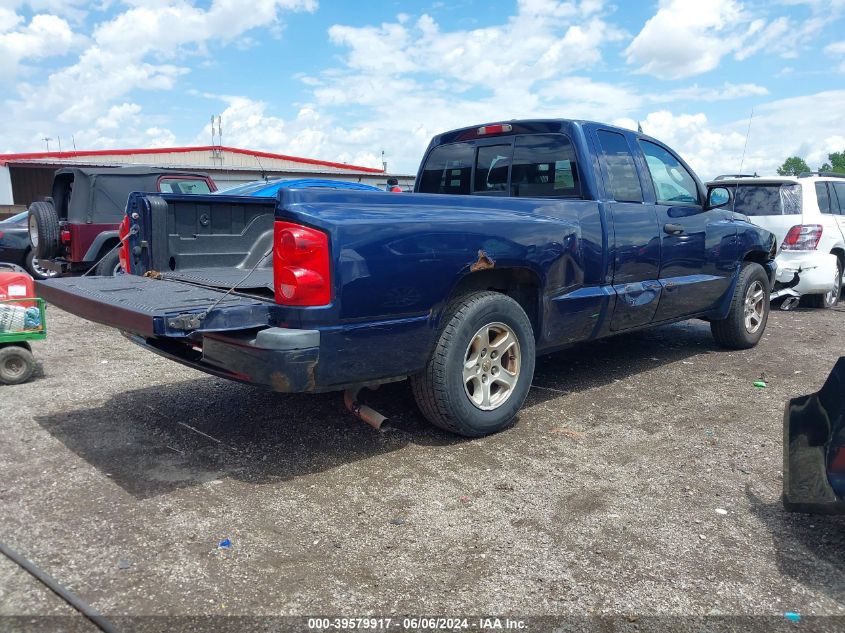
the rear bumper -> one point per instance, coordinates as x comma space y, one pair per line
814, 271
284, 360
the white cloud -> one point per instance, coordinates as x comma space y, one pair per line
803, 126
837, 49
44, 36
728, 91
137, 49
686, 38
544, 39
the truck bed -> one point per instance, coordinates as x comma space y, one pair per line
226, 277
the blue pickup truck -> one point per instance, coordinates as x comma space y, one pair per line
521, 238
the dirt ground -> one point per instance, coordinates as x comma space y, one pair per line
120, 473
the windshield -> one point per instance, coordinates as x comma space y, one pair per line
16, 219
767, 199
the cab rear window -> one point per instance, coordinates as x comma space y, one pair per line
763, 199
535, 166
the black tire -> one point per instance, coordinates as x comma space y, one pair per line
732, 332
34, 269
110, 265
43, 229
440, 389
829, 300
16, 364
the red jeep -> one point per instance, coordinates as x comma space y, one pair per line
77, 227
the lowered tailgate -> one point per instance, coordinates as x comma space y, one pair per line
154, 307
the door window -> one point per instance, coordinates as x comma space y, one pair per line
544, 166
624, 185
838, 190
823, 197
673, 184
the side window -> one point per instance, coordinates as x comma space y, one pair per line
544, 166
839, 192
448, 169
823, 197
673, 184
492, 168
624, 183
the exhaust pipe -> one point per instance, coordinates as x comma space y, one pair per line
362, 411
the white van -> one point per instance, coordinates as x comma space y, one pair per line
807, 215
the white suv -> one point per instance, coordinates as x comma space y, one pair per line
807, 215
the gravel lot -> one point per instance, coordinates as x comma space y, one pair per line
120, 472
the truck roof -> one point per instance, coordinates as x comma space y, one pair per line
527, 126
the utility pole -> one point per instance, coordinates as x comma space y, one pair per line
47, 140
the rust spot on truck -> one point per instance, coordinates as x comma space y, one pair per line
294, 381
152, 274
482, 263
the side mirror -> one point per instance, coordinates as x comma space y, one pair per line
718, 197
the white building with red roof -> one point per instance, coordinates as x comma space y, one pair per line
29, 176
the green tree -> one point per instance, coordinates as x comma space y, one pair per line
793, 166
837, 161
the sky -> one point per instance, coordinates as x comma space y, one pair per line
345, 81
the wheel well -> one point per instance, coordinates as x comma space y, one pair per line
106, 247
758, 257
23, 344
520, 284
840, 254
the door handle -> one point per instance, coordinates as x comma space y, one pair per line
673, 229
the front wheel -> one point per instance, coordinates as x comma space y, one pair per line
749, 312
481, 369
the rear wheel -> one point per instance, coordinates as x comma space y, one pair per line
481, 370
831, 297
43, 229
33, 268
110, 265
16, 364
749, 312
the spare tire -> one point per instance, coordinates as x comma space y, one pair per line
43, 229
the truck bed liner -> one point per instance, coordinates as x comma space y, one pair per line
226, 277
147, 306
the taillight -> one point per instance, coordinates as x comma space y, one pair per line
802, 237
301, 265
64, 236
123, 251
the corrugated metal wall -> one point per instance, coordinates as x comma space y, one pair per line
31, 183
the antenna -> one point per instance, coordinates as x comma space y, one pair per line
47, 140
747, 133
216, 139
73, 140
60, 142
263, 171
